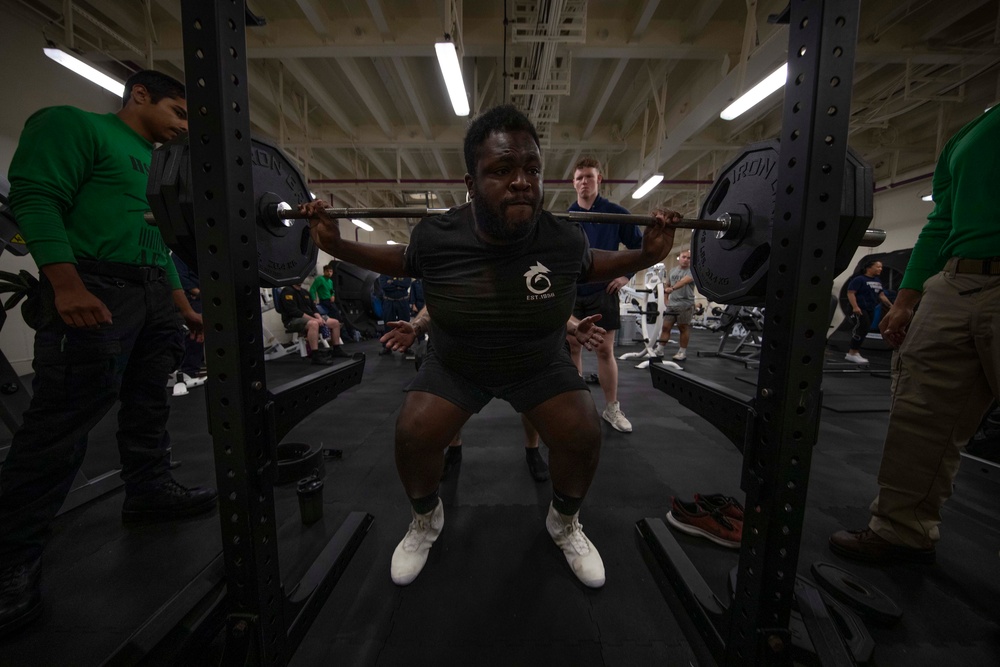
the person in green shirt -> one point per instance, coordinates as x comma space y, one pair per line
322, 292
946, 372
106, 321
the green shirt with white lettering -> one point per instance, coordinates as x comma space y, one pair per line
78, 190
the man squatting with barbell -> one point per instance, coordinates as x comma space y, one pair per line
499, 278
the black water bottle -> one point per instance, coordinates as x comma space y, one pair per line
310, 499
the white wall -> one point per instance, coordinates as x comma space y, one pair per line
31, 81
902, 214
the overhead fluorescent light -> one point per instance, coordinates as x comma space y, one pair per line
451, 69
927, 198
86, 70
363, 225
646, 187
390, 242
749, 99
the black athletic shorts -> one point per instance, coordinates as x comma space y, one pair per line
557, 378
599, 302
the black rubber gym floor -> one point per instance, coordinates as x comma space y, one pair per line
496, 591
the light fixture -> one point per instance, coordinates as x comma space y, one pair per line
86, 70
390, 242
749, 99
451, 69
927, 198
646, 187
363, 225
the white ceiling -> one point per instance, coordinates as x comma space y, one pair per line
352, 87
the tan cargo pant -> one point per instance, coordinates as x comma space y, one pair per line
945, 377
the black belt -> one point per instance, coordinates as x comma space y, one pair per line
983, 267
402, 298
135, 273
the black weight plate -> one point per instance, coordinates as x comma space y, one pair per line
861, 596
852, 629
285, 253
734, 271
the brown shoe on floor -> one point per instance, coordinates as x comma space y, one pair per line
866, 545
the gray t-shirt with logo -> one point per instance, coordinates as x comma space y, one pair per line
683, 297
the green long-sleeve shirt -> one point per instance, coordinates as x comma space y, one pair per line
78, 190
321, 289
964, 222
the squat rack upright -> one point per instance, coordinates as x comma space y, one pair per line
777, 429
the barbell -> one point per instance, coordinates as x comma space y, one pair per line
731, 243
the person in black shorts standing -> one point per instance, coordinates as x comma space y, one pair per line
499, 278
602, 298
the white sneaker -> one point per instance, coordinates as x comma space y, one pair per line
856, 358
657, 350
580, 552
680, 356
411, 554
613, 415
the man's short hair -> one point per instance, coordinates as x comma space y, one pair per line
504, 118
869, 264
158, 84
587, 162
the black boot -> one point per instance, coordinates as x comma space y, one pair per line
336, 351
166, 502
321, 358
537, 466
20, 594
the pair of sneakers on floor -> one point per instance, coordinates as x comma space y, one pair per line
660, 351
716, 517
411, 553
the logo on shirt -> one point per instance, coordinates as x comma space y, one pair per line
538, 282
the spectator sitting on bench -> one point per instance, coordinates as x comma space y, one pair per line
299, 315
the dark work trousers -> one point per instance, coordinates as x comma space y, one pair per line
194, 351
79, 374
860, 326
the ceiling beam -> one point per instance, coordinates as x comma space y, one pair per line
378, 16
411, 94
367, 95
609, 87
643, 18
700, 16
319, 93
317, 18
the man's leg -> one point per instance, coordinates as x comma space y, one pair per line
151, 494
77, 378
944, 379
537, 466
859, 331
607, 367
312, 334
668, 325
570, 427
576, 354
426, 424
684, 327
607, 375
